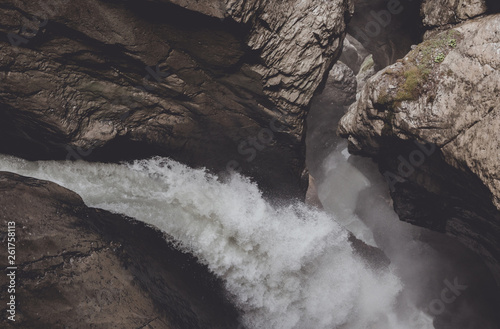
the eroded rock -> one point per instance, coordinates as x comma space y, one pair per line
222, 84
445, 95
386, 28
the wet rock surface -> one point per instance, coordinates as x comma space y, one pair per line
217, 84
444, 95
80, 267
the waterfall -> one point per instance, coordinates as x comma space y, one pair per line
284, 266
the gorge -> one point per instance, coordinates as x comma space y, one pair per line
155, 156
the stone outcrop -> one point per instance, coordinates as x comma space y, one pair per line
88, 268
443, 12
220, 84
444, 95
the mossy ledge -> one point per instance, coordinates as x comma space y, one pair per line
415, 76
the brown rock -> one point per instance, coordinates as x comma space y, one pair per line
214, 84
79, 267
312, 197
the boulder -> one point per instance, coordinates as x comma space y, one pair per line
88, 268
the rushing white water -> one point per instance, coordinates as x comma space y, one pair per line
284, 266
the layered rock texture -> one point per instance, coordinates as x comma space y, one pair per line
220, 84
88, 268
444, 95
442, 12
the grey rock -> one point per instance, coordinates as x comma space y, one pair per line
367, 70
443, 12
353, 53
386, 29
447, 95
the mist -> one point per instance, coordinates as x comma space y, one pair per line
429, 264
284, 267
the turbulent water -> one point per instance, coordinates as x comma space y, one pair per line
285, 266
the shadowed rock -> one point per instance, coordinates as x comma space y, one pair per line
80, 267
219, 84
445, 95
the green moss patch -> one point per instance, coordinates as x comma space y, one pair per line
419, 66
426, 53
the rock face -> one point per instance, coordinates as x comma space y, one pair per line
445, 95
442, 12
78, 265
220, 84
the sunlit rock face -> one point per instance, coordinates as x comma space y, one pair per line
224, 85
445, 95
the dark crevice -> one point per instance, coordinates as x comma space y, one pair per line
446, 192
493, 6
375, 27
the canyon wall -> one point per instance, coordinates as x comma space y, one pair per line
431, 120
220, 84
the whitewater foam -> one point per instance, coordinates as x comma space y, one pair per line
285, 267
